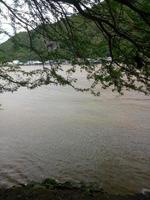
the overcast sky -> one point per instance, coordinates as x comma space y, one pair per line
5, 22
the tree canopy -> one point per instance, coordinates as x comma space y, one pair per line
83, 28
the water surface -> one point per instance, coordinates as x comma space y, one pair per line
57, 132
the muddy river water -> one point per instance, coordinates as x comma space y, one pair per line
57, 132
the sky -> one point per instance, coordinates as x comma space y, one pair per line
5, 20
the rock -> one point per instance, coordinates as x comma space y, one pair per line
146, 192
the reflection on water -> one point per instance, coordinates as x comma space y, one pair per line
57, 132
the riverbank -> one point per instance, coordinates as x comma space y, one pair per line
50, 189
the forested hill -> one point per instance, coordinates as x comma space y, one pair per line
86, 35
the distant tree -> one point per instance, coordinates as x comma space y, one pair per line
122, 25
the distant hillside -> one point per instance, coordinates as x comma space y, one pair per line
86, 35
17, 48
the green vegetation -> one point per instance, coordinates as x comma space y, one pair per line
118, 29
26, 46
17, 48
52, 190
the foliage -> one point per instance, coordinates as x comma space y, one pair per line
88, 41
117, 28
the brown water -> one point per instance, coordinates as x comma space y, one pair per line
57, 132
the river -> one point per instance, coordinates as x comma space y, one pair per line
54, 131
